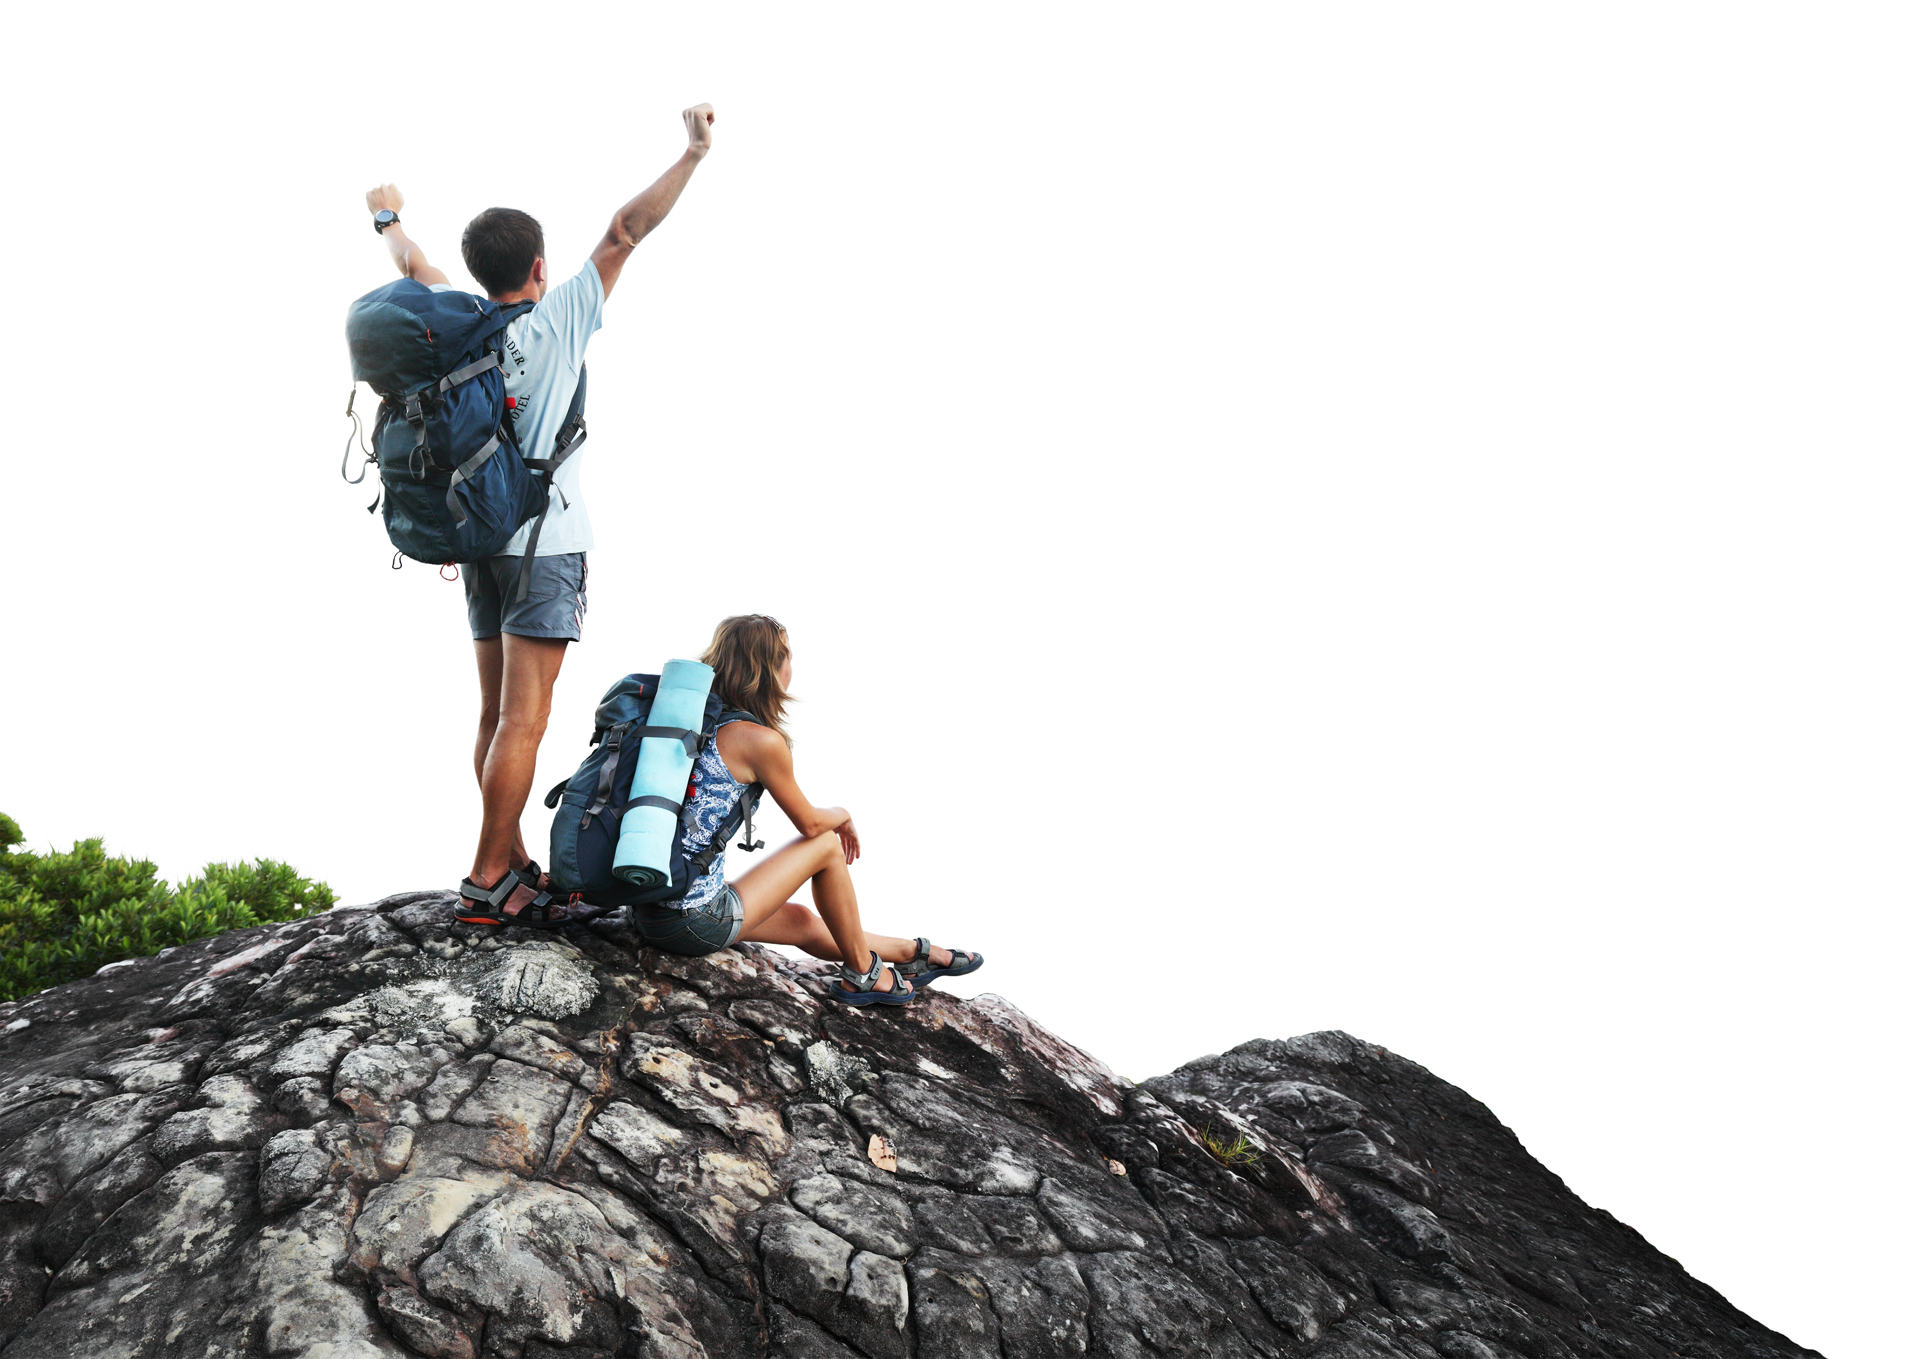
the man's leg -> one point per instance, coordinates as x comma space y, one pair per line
529, 666
489, 652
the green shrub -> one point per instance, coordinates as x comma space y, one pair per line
64, 916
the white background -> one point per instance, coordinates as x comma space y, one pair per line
1395, 518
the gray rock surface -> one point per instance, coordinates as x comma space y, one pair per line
378, 1132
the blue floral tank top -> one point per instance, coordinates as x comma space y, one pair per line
711, 798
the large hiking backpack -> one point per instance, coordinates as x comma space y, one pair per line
589, 806
456, 487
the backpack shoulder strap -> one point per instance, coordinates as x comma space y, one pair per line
749, 799
566, 442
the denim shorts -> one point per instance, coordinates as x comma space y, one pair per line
704, 929
556, 602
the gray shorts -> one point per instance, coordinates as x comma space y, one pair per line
555, 605
704, 929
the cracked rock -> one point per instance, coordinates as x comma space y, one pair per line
380, 1133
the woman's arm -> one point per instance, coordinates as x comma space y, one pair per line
770, 764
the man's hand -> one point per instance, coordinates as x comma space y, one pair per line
699, 121
407, 257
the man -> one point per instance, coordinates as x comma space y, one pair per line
519, 637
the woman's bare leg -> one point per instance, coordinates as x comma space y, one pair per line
801, 926
768, 917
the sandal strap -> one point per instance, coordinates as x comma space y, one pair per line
922, 950
494, 896
862, 981
542, 909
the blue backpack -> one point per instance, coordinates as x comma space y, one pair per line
589, 806
434, 359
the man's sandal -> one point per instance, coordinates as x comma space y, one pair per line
487, 905
573, 907
920, 970
863, 984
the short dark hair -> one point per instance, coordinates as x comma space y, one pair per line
500, 246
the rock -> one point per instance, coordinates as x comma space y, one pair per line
952, 1309
545, 978
873, 1311
425, 1328
834, 1073
806, 1265
294, 1168
869, 1219
380, 1133
314, 1053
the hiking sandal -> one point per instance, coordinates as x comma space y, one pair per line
920, 970
533, 875
863, 984
487, 905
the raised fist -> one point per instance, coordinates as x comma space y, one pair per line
386, 196
699, 121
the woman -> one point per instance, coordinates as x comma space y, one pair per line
752, 667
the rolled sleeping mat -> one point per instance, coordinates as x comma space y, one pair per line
660, 774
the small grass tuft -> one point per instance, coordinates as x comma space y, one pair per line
1231, 1154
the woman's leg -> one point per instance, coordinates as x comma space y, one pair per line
768, 917
801, 926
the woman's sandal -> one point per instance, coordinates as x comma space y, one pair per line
863, 983
487, 905
920, 970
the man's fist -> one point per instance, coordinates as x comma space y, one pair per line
699, 121
385, 197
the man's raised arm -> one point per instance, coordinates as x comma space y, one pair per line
408, 258
651, 207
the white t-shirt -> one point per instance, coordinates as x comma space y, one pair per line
541, 356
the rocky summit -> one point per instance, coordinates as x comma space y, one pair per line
377, 1132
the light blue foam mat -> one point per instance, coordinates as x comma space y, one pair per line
647, 834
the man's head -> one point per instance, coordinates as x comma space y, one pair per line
505, 252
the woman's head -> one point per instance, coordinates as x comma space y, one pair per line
752, 667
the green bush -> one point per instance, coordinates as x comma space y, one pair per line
64, 916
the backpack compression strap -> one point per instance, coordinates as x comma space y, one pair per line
415, 410
566, 442
749, 800
465, 470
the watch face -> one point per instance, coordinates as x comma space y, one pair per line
384, 218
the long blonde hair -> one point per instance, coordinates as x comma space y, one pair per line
747, 653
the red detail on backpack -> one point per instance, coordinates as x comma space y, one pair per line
512, 402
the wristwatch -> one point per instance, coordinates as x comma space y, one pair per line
383, 219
